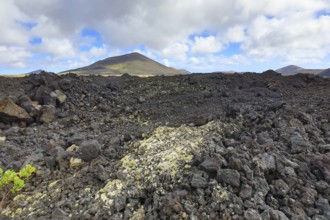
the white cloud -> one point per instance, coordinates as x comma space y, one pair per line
204, 45
58, 47
269, 30
176, 51
13, 57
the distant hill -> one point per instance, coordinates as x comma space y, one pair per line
325, 72
132, 63
293, 69
35, 72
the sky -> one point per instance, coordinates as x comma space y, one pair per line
196, 35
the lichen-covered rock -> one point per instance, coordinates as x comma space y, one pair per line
60, 96
168, 152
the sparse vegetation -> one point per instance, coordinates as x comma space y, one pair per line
11, 181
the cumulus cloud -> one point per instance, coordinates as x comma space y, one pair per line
281, 30
176, 51
206, 45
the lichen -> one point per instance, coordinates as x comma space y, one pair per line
167, 152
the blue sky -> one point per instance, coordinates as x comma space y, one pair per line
199, 36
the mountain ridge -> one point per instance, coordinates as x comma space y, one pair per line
293, 69
325, 73
132, 63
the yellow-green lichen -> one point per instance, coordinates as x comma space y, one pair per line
168, 151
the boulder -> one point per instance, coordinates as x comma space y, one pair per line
25, 102
65, 84
89, 150
10, 112
47, 114
43, 96
60, 96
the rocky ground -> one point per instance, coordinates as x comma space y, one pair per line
213, 146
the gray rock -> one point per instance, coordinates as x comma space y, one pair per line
120, 202
263, 138
89, 150
59, 214
44, 96
278, 215
235, 164
320, 217
266, 162
246, 192
228, 176
280, 187
198, 181
321, 166
77, 138
308, 196
297, 143
322, 187
141, 99
252, 214
25, 102
209, 166
248, 172
65, 84
324, 207
261, 185
47, 114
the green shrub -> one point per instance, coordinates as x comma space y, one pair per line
11, 182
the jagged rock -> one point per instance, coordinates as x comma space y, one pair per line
270, 145
120, 202
324, 207
25, 102
323, 187
209, 166
60, 96
10, 112
252, 214
308, 196
246, 192
261, 185
281, 188
298, 144
265, 162
228, 176
321, 166
198, 181
44, 96
65, 84
271, 214
59, 213
47, 114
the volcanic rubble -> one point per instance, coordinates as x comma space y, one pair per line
199, 146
